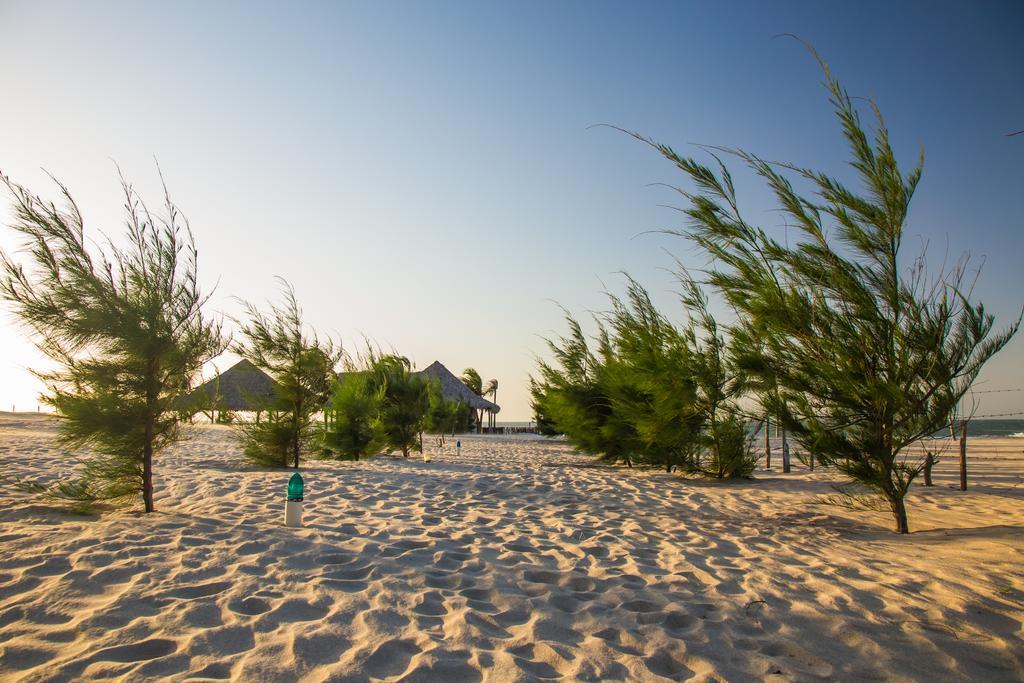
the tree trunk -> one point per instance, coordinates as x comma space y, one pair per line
405, 450
767, 443
295, 443
899, 513
929, 462
963, 455
147, 467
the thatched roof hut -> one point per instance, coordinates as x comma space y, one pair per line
453, 389
243, 386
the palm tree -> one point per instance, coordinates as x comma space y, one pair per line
492, 389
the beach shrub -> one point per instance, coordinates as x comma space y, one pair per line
860, 351
403, 404
727, 450
269, 442
124, 327
574, 393
355, 430
651, 392
302, 367
444, 416
545, 425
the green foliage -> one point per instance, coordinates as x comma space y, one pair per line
471, 378
857, 350
270, 442
302, 367
574, 395
125, 329
541, 416
404, 401
355, 431
379, 403
650, 393
443, 416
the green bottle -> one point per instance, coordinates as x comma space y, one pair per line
295, 488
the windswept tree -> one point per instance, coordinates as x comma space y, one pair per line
726, 448
302, 367
650, 392
573, 392
124, 326
475, 383
444, 416
471, 378
404, 401
864, 350
355, 430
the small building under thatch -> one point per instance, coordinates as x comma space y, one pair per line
245, 388
242, 387
453, 389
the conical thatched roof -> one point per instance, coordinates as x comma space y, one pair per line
243, 386
453, 389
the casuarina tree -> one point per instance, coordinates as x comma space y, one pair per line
124, 326
355, 430
864, 350
302, 367
404, 401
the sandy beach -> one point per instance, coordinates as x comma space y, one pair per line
519, 560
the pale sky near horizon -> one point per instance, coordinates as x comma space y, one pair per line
426, 174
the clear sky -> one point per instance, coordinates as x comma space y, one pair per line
425, 174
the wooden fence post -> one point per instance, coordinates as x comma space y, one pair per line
963, 455
785, 453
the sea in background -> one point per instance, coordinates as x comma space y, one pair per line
975, 428
992, 427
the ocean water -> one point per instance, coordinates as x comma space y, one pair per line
980, 427
992, 427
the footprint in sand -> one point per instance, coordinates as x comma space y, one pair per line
390, 659
51, 567
537, 670
136, 652
679, 621
351, 573
20, 658
251, 548
431, 605
215, 671
662, 663
512, 617
203, 590
249, 606
448, 670
298, 610
641, 606
565, 603
540, 576
580, 584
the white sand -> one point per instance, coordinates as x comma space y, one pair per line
518, 561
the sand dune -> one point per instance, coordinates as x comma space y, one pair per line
517, 561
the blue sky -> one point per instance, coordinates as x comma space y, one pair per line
425, 174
